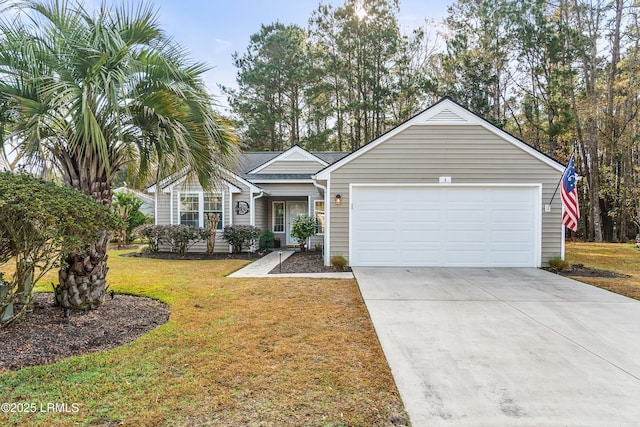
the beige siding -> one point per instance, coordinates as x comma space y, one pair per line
245, 219
162, 212
468, 154
290, 190
192, 186
293, 166
261, 210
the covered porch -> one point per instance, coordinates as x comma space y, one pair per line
279, 212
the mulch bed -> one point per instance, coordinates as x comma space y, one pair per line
44, 336
305, 262
579, 270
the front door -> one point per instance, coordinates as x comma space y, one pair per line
294, 210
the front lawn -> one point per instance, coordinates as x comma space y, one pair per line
282, 351
617, 257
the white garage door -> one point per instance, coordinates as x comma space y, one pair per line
463, 226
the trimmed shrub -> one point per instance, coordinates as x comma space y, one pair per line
339, 262
303, 227
241, 236
267, 240
182, 237
152, 236
179, 237
559, 264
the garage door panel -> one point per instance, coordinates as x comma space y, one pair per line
376, 236
511, 236
421, 216
510, 216
464, 257
433, 258
420, 236
416, 247
381, 226
509, 258
458, 195
466, 236
377, 215
442, 226
455, 249
465, 217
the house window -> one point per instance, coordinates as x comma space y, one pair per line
196, 208
189, 209
319, 210
278, 217
213, 207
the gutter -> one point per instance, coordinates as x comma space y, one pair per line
253, 206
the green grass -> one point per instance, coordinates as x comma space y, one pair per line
235, 352
623, 258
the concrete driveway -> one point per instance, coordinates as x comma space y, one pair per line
506, 347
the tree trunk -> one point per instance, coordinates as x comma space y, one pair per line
594, 181
211, 224
83, 282
24, 280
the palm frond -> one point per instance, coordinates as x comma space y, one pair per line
107, 89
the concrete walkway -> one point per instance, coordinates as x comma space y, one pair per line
506, 347
262, 267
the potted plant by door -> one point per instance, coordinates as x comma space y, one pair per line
302, 228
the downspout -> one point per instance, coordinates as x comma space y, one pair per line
253, 207
230, 224
155, 206
326, 213
171, 206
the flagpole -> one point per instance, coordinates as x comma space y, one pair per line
557, 186
573, 152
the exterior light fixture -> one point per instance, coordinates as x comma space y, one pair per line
338, 199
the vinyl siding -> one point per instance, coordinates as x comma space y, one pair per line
245, 219
468, 154
293, 166
163, 215
261, 213
290, 190
192, 186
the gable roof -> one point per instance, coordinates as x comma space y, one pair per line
179, 177
249, 162
444, 112
295, 154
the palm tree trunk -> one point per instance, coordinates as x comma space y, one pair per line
82, 284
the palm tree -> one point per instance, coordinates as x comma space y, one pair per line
95, 92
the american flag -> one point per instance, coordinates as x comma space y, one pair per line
569, 195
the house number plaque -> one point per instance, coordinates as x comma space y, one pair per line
242, 208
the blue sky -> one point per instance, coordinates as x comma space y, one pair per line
213, 30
